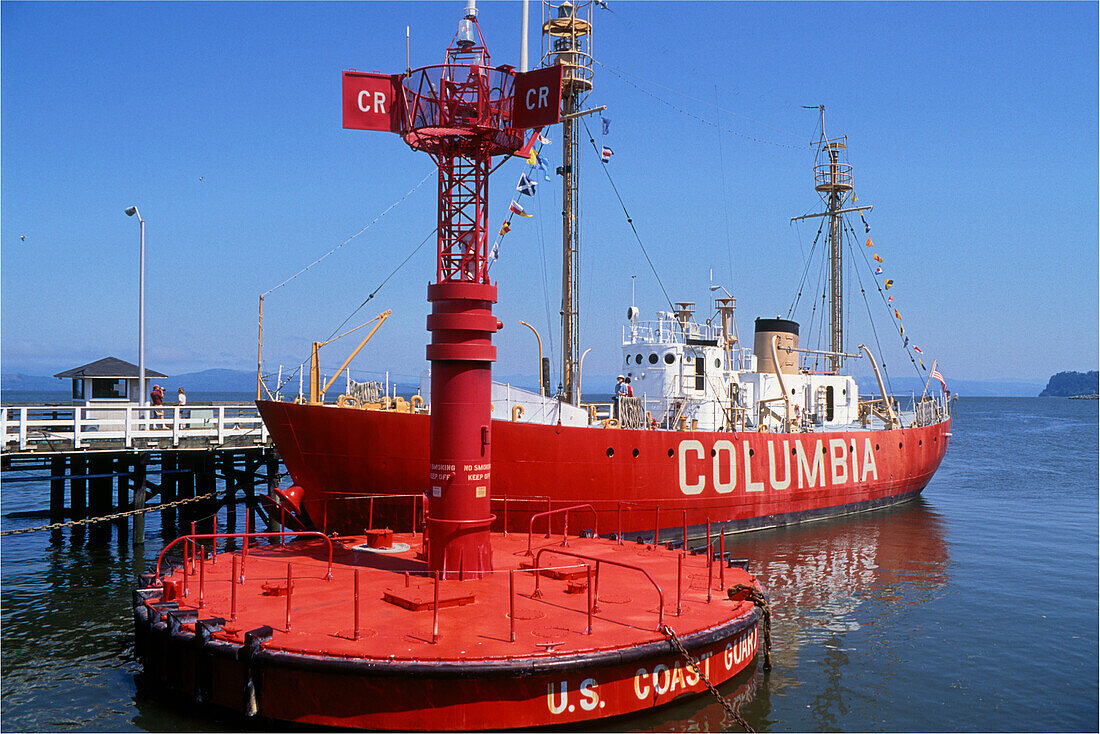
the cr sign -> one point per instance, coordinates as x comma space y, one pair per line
538, 98
373, 101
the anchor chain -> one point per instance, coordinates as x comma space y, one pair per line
756, 596
110, 518
691, 661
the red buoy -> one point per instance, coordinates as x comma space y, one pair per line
439, 631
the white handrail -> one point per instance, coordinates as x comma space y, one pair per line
100, 426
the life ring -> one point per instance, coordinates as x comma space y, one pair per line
611, 423
417, 401
764, 429
517, 412
347, 401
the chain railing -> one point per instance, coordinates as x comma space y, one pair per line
112, 517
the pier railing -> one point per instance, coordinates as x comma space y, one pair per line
44, 429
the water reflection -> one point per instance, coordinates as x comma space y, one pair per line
827, 582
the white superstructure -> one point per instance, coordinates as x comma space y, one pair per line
697, 377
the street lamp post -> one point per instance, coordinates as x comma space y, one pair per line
539, 338
580, 372
131, 211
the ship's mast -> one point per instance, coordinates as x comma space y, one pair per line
833, 182
567, 42
834, 185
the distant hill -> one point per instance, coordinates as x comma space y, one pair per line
36, 383
215, 380
244, 381
1069, 384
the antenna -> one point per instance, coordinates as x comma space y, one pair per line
523, 36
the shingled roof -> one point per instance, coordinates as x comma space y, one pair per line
107, 367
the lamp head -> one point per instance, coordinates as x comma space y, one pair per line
131, 211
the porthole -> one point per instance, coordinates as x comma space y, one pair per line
752, 453
920, 443
876, 447
628, 359
851, 448
653, 359
637, 359
899, 444
634, 453
844, 392
718, 362
670, 358
671, 453
713, 452
792, 391
824, 450
610, 452
792, 452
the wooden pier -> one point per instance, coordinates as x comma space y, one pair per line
114, 460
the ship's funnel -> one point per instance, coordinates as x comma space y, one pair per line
787, 331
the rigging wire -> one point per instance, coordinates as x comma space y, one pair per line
629, 220
889, 309
624, 74
806, 270
822, 282
852, 244
725, 195
349, 239
546, 290
384, 281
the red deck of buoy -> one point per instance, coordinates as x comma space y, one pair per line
581, 640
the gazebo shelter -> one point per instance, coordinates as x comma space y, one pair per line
106, 381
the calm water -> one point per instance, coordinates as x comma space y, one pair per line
973, 609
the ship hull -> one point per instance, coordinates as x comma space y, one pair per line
635, 481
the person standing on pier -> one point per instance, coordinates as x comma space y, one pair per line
156, 397
181, 400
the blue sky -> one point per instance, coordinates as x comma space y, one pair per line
972, 128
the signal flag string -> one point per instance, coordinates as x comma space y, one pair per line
899, 327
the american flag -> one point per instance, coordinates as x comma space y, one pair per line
937, 376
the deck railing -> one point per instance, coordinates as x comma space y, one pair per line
54, 428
